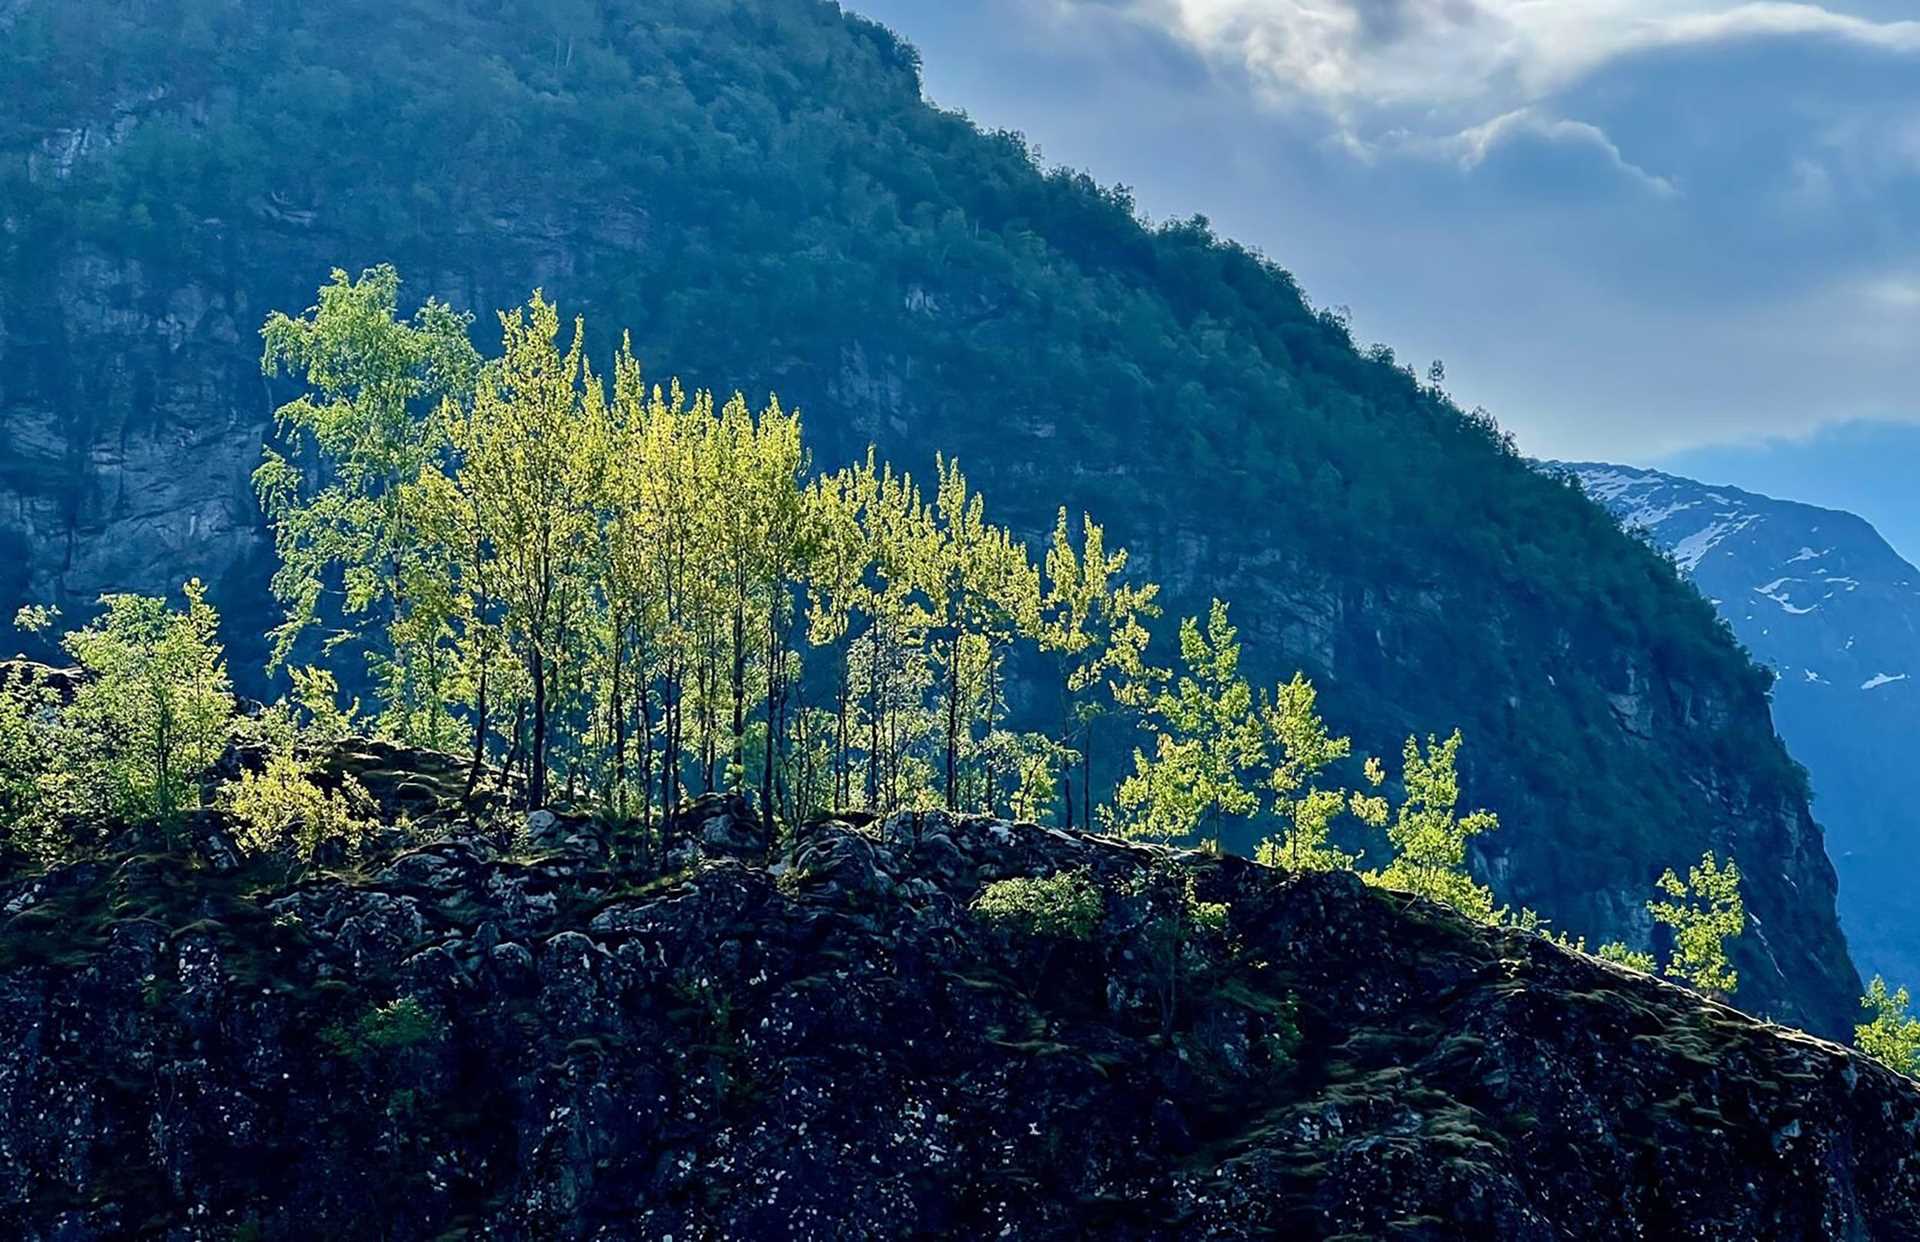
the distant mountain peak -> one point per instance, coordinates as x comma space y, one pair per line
1821, 598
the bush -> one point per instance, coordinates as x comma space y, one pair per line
155, 708
1893, 1037
396, 1026
281, 808
1068, 905
1620, 955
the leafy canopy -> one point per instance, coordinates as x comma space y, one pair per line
1430, 838
154, 708
1892, 1036
1704, 911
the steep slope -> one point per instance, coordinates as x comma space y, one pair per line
1821, 599
758, 190
564, 1044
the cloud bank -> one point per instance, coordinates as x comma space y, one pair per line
1629, 226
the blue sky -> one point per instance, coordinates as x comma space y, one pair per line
1631, 228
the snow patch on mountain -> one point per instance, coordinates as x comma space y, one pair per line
1690, 551
1883, 679
1773, 592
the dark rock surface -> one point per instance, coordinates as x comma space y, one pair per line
820, 1038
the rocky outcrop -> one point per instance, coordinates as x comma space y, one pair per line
823, 1037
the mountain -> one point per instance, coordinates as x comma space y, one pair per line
843, 1041
1821, 599
759, 191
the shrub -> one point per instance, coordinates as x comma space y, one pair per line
1704, 911
155, 709
397, 1026
281, 808
1893, 1037
1068, 905
1619, 954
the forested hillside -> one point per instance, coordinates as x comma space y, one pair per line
758, 191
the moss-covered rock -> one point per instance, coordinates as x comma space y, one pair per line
828, 1040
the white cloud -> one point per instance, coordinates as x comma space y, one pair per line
1473, 147
1359, 59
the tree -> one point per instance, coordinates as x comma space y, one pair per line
1704, 911
27, 759
1208, 741
1429, 838
1092, 622
982, 591
838, 591
1892, 1037
344, 523
892, 662
785, 540
626, 573
1303, 749
525, 478
155, 708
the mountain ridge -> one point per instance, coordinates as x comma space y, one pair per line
1817, 595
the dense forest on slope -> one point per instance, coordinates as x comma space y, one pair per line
758, 190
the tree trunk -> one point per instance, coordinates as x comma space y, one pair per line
841, 777
479, 728
873, 695
646, 754
953, 720
991, 793
619, 721
774, 691
1086, 776
740, 682
537, 753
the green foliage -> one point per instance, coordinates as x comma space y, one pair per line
1208, 740
604, 585
1304, 749
281, 808
153, 711
1220, 754
1704, 911
1892, 1037
27, 765
1175, 931
1068, 905
1429, 838
35, 618
1093, 623
319, 715
398, 1026
1633, 959
374, 384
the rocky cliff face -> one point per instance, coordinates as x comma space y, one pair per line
1821, 599
904, 279
827, 1039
